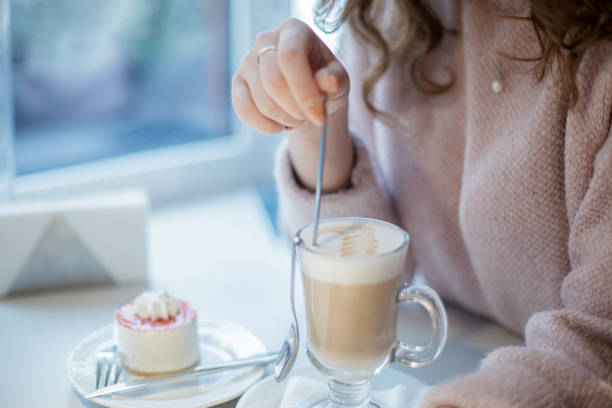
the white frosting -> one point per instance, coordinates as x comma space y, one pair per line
156, 305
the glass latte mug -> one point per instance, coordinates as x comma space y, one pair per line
352, 288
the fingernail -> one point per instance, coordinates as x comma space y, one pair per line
333, 83
316, 113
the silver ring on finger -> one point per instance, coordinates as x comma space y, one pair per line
263, 50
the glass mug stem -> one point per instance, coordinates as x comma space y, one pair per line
349, 394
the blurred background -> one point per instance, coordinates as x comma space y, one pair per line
93, 80
118, 93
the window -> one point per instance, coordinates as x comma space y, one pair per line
96, 79
134, 92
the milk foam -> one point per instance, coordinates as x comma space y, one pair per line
353, 251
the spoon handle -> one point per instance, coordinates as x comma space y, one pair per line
315, 229
163, 379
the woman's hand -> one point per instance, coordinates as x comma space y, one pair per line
280, 85
282, 79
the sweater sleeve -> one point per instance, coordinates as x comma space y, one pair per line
364, 198
567, 361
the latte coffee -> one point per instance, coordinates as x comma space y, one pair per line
350, 283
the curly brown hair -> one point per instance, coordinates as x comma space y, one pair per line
564, 30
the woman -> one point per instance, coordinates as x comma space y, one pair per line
483, 128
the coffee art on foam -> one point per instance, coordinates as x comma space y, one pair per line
354, 238
351, 241
367, 242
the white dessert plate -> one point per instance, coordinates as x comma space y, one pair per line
267, 393
219, 341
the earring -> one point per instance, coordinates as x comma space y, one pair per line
498, 83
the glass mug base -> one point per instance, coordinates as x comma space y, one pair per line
345, 389
343, 394
326, 403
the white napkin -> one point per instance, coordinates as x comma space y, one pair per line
303, 389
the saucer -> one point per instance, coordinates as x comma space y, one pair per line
267, 393
219, 341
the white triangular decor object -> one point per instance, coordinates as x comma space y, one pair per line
116, 236
60, 258
19, 233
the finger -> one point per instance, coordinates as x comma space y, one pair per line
334, 80
275, 85
294, 64
247, 111
264, 39
265, 104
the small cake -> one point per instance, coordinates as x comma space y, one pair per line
156, 334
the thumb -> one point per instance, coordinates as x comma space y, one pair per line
334, 80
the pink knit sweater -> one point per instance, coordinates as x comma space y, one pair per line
507, 198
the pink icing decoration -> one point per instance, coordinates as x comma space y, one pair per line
127, 317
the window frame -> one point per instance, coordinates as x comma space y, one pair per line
176, 172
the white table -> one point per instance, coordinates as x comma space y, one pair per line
221, 254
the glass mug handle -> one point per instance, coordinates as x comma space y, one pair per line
413, 355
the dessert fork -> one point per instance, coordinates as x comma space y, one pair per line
108, 368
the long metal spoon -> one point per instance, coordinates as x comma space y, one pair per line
289, 350
315, 228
